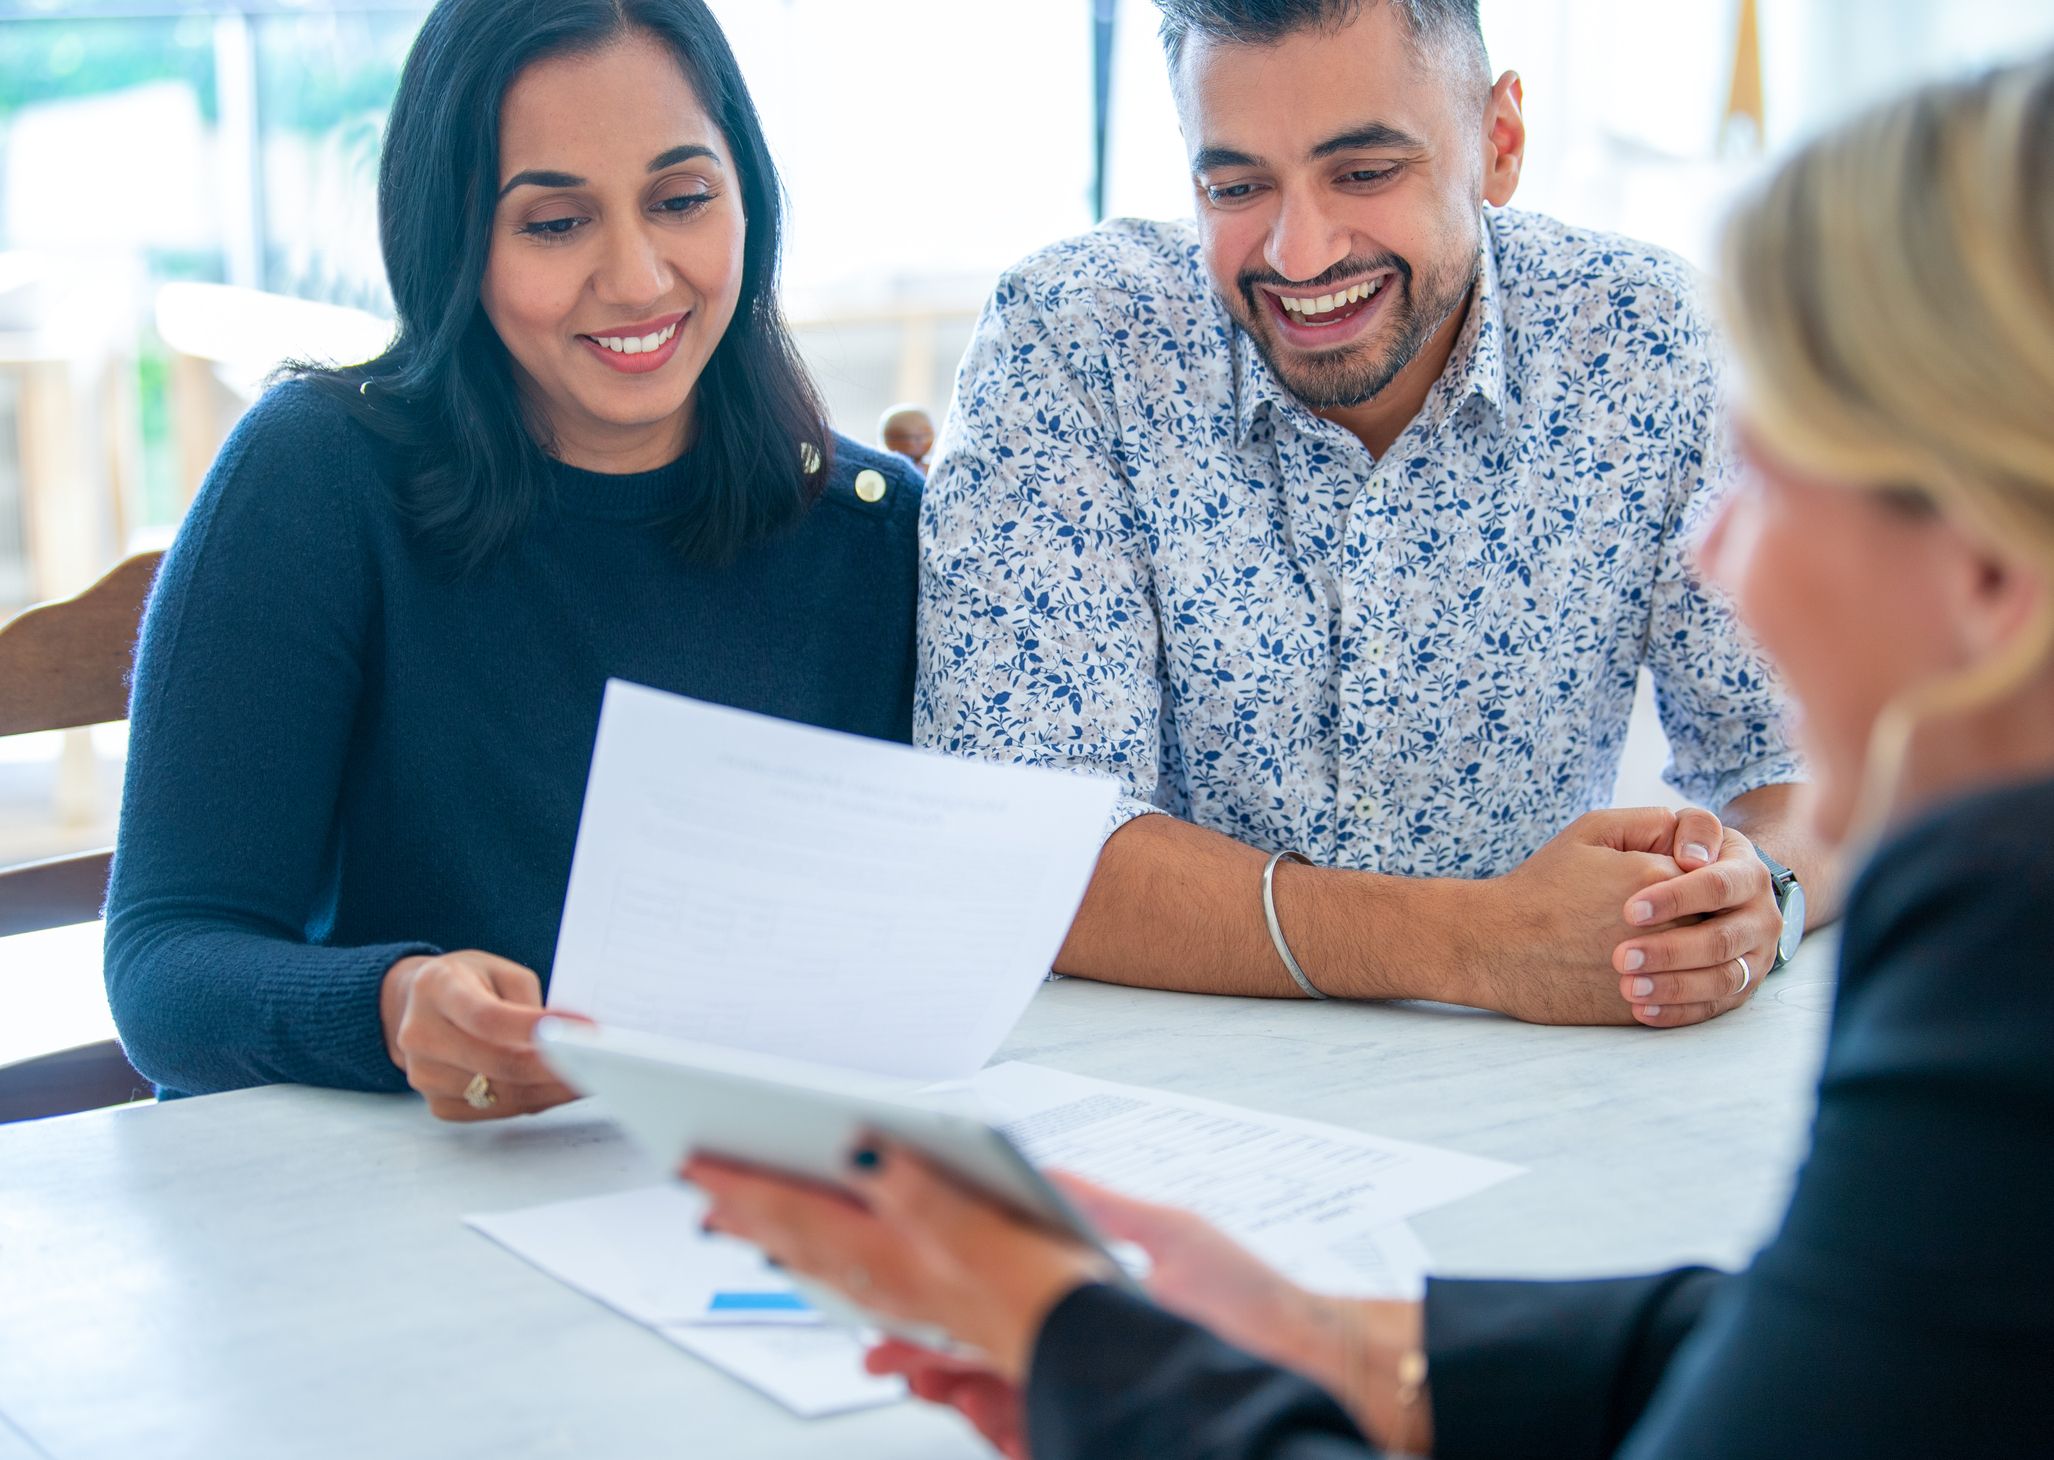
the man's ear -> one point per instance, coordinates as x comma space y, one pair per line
1504, 139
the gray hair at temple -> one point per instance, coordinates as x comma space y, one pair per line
1453, 27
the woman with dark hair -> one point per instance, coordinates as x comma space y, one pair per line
370, 675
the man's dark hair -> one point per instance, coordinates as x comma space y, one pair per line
470, 471
1430, 23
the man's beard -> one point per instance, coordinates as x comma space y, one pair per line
1349, 376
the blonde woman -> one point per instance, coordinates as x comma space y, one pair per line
1891, 294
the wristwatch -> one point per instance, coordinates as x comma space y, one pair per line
1790, 902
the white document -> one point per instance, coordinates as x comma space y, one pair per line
810, 1371
774, 887
641, 1253
1316, 1200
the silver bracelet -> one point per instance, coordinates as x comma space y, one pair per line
1276, 929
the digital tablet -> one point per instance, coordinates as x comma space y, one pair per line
676, 1098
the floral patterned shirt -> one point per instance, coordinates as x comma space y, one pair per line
1142, 557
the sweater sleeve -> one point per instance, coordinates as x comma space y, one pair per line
1114, 1377
249, 679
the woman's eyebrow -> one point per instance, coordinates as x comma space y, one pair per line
541, 178
680, 154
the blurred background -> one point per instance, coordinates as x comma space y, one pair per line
187, 196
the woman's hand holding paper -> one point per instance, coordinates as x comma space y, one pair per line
462, 1025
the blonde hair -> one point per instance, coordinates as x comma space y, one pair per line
1890, 291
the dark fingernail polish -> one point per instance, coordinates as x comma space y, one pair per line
866, 1158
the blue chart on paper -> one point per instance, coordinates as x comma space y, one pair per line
758, 1303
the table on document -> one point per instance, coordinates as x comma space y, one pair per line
284, 1272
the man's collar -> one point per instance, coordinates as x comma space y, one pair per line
1257, 391
1476, 366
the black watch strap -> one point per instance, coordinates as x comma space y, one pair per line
1783, 882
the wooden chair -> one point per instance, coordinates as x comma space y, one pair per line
64, 665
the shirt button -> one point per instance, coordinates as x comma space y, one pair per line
1366, 809
870, 485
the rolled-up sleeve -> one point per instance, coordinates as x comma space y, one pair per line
1038, 633
1721, 706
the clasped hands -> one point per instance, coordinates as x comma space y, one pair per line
1673, 902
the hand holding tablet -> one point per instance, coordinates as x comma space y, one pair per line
741, 1116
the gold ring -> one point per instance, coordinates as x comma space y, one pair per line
479, 1094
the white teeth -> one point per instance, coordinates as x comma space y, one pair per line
634, 345
1327, 303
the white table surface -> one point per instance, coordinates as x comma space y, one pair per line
282, 1272
15, 1446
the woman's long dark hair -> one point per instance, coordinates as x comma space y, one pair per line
443, 398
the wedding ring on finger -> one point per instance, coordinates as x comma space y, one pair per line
479, 1094
1746, 975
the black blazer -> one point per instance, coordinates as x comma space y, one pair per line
1904, 1309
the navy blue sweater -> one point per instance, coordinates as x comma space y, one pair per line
340, 754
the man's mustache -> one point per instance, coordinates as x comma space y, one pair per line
1349, 268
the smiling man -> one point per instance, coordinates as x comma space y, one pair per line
1341, 525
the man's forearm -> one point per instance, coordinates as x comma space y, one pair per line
1174, 906
1773, 820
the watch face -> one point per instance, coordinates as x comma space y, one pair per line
1793, 924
